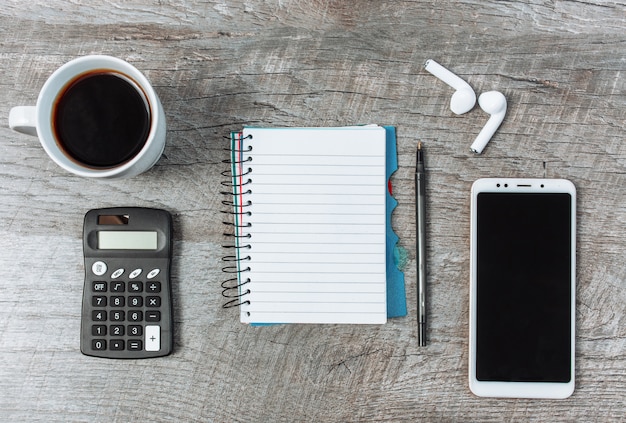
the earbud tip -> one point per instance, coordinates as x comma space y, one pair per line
462, 101
492, 102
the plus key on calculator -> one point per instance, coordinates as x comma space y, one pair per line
127, 307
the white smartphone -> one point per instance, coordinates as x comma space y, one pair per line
522, 288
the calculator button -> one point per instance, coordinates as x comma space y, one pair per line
135, 301
135, 273
135, 316
99, 301
153, 338
153, 287
153, 301
117, 301
99, 315
135, 345
117, 273
98, 344
153, 316
135, 287
135, 330
116, 345
99, 268
118, 286
153, 273
117, 316
117, 330
99, 286
98, 330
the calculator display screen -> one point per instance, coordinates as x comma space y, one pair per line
127, 240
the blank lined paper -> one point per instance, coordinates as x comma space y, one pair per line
312, 231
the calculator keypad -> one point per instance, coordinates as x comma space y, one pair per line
127, 312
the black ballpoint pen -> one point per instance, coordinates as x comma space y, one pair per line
420, 244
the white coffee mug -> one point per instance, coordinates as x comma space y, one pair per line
40, 120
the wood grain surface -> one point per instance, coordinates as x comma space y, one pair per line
218, 65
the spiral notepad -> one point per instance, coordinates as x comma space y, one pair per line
308, 207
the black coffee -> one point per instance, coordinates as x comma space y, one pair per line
101, 119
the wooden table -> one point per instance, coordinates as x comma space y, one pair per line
219, 65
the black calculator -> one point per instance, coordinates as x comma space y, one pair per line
127, 305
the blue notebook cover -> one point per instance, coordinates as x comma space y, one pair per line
396, 295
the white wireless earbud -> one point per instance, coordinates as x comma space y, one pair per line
493, 103
464, 99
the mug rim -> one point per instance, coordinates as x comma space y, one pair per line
56, 83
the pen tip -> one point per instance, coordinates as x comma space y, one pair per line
419, 156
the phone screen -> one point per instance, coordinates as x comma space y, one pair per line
523, 287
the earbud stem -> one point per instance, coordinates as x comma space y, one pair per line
494, 103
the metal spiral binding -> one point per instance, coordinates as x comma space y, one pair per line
233, 288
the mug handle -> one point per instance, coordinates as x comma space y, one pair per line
24, 119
